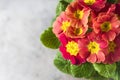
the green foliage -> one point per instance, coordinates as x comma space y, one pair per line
52, 21
88, 70
117, 75
49, 39
89, 30
96, 76
118, 70
68, 1
61, 64
105, 70
61, 7
85, 70
112, 1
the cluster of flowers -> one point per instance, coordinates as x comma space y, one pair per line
89, 31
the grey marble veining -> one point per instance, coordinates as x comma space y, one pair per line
22, 56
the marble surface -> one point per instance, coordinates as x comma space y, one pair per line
22, 56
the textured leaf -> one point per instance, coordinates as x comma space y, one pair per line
89, 30
53, 21
49, 39
84, 70
61, 64
117, 75
105, 70
112, 1
61, 7
68, 1
96, 76
118, 70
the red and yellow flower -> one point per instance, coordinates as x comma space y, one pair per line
61, 24
89, 31
70, 50
113, 51
107, 25
95, 5
77, 31
93, 49
77, 13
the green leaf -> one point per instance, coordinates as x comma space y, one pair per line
68, 1
83, 70
118, 70
61, 64
112, 1
61, 7
89, 30
96, 76
117, 75
49, 39
54, 18
105, 70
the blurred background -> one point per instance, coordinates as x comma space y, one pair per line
22, 56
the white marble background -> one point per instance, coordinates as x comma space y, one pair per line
22, 56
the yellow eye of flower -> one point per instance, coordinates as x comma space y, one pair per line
111, 46
65, 25
89, 2
106, 26
93, 47
79, 14
72, 48
78, 31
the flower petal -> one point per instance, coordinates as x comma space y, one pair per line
92, 58
73, 60
100, 57
103, 44
111, 35
84, 53
63, 39
80, 60
65, 54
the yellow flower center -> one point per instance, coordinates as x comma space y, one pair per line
65, 25
73, 48
78, 31
93, 47
111, 46
79, 14
89, 2
106, 26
